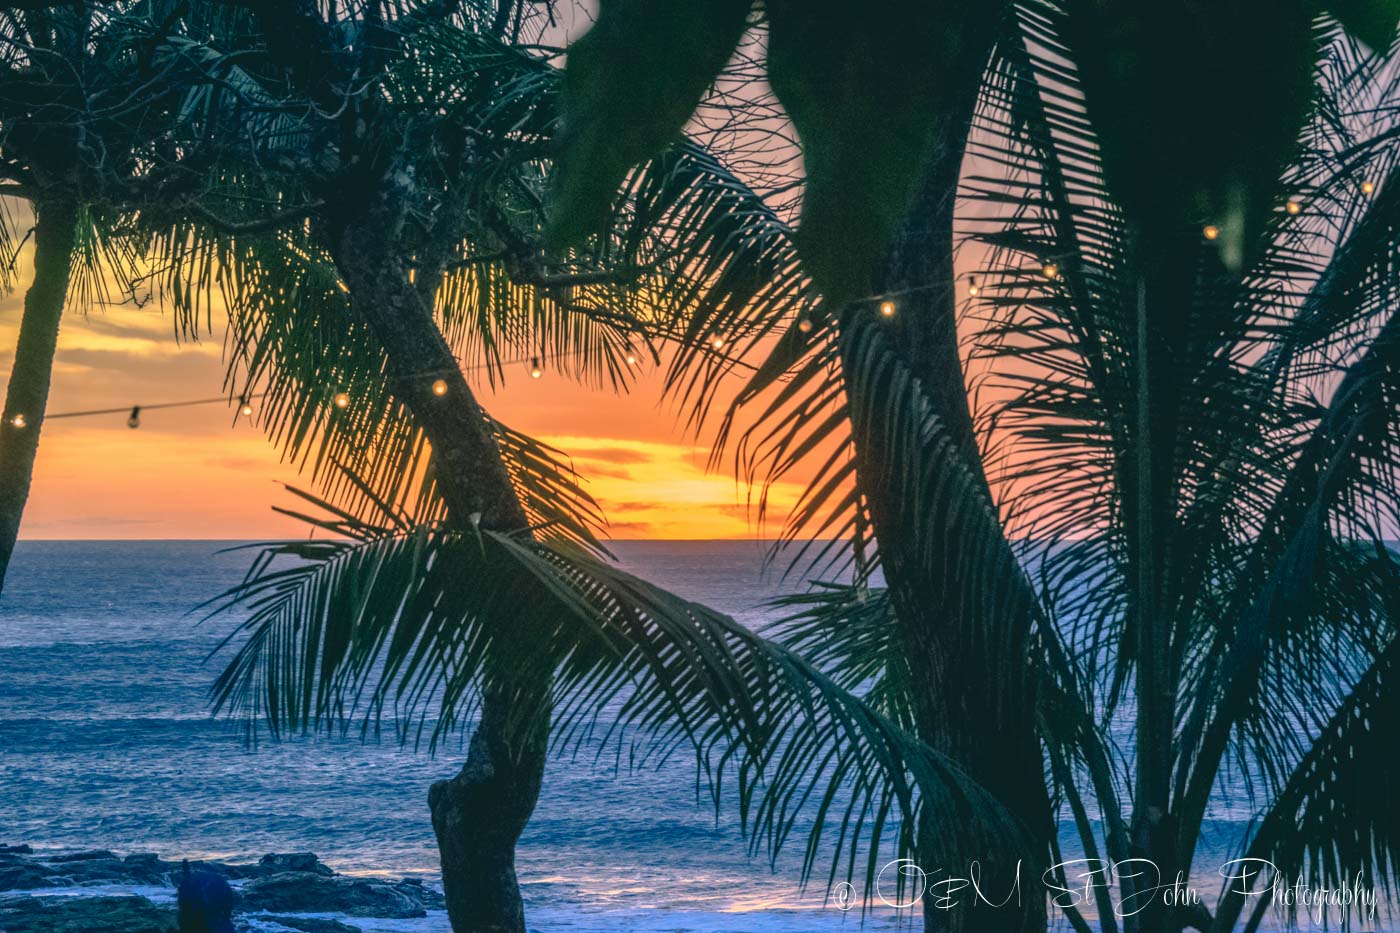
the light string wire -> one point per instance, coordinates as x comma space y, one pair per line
885, 303
535, 362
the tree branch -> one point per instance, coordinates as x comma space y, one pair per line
261, 225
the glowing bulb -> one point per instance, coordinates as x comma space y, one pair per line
19, 421
439, 387
1210, 231
246, 410
972, 287
804, 325
718, 343
1368, 187
887, 308
342, 400
631, 359
1050, 270
535, 371
1293, 207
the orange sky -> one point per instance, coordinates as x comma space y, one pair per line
194, 473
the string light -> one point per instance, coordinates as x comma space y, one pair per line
1293, 207
804, 325
718, 342
439, 387
1368, 187
887, 308
245, 407
1210, 231
631, 359
1050, 270
18, 420
972, 287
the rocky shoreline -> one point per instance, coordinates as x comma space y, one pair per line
271, 894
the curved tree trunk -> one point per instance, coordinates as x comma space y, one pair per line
478, 815
959, 702
28, 393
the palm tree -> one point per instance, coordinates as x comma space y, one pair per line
369, 228
1205, 435
883, 125
1197, 449
85, 88
1262, 547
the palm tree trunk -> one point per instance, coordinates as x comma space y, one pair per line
55, 232
1165, 364
478, 815
958, 704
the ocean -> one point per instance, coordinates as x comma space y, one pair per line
106, 741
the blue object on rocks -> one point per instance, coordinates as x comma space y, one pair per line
206, 902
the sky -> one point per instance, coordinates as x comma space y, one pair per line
205, 473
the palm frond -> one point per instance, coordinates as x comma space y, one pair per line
1332, 821
393, 622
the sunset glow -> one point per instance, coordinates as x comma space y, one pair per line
204, 472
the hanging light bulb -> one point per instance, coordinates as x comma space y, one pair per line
887, 308
804, 324
1210, 231
972, 287
717, 342
246, 410
1293, 207
133, 420
342, 400
18, 420
439, 387
535, 371
631, 359
1050, 270
1368, 187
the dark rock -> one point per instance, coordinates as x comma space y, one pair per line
84, 915
276, 863
303, 892
90, 855
279, 884
308, 924
173, 871
106, 871
23, 875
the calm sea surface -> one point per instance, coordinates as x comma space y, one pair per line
106, 741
